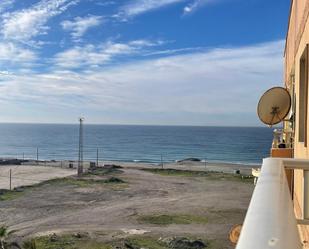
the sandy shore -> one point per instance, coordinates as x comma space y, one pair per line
244, 169
31, 173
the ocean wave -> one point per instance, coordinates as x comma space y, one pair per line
144, 161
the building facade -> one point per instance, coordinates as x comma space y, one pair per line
296, 81
278, 214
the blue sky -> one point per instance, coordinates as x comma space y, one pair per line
168, 62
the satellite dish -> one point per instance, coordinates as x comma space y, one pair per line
274, 105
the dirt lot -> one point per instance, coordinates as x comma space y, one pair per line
158, 204
28, 175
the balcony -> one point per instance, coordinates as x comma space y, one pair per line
282, 145
270, 221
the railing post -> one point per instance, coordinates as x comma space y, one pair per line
270, 221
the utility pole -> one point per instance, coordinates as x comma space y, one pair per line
162, 161
80, 148
97, 157
10, 179
37, 155
23, 156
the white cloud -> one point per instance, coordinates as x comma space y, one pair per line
11, 53
105, 3
193, 6
215, 87
81, 25
80, 56
138, 7
174, 51
5, 4
94, 56
23, 25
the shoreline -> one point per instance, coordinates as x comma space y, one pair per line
190, 165
137, 161
229, 168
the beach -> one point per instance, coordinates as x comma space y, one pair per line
32, 172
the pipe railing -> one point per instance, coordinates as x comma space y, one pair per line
270, 221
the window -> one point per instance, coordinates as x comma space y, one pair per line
303, 98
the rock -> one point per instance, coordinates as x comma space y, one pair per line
237, 172
128, 245
114, 180
80, 235
53, 238
112, 166
184, 243
191, 159
135, 231
9, 161
19, 189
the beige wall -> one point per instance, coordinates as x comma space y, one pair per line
297, 23
297, 39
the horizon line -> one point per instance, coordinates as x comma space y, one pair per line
115, 124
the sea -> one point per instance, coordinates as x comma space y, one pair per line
136, 143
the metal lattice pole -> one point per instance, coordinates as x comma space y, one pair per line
80, 149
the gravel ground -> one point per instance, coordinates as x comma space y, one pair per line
112, 211
29, 175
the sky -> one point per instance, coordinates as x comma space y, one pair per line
152, 62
